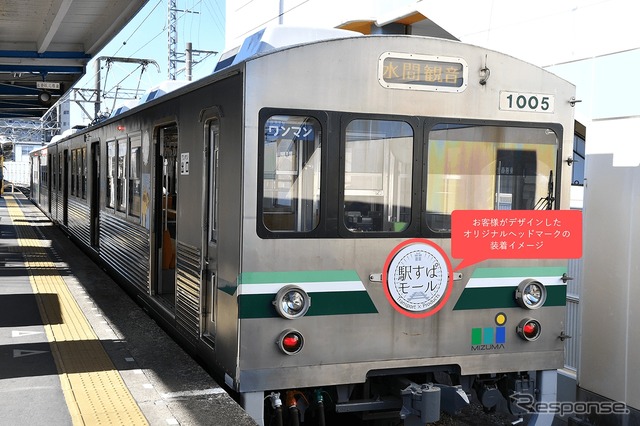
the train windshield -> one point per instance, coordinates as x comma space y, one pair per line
291, 177
465, 166
377, 179
487, 168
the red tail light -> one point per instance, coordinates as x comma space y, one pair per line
529, 329
290, 342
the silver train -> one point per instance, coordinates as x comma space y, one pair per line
288, 219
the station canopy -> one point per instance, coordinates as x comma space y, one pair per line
45, 46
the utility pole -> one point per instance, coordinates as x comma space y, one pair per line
96, 87
172, 38
172, 34
188, 61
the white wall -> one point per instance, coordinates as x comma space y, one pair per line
609, 363
543, 32
244, 17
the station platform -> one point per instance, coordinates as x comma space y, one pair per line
75, 349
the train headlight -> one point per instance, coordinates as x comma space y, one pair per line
529, 329
290, 342
531, 294
292, 302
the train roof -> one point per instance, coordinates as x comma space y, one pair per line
264, 42
275, 37
149, 95
161, 89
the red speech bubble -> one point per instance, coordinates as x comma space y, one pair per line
477, 235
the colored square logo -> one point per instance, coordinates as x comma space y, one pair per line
488, 335
476, 336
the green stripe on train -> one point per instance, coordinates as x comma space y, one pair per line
541, 271
481, 294
328, 303
296, 277
503, 297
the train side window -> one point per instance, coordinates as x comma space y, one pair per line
291, 173
111, 174
53, 171
377, 175
471, 167
214, 152
78, 173
77, 170
135, 189
579, 156
83, 172
43, 171
74, 162
35, 176
61, 165
121, 188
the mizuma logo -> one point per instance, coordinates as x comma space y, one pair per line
487, 338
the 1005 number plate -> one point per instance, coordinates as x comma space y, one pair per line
526, 102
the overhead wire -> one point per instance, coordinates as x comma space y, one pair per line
216, 16
275, 17
140, 66
212, 16
159, 34
138, 27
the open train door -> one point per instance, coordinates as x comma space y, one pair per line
166, 184
211, 234
95, 194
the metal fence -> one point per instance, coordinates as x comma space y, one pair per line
18, 173
572, 345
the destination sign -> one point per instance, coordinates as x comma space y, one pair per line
422, 72
283, 130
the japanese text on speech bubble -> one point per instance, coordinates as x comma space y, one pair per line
478, 235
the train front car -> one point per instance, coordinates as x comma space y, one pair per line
357, 152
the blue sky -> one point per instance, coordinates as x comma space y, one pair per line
145, 37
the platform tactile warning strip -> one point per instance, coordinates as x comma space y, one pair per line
94, 390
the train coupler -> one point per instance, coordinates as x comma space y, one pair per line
520, 393
488, 393
420, 404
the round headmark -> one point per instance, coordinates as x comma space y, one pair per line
417, 278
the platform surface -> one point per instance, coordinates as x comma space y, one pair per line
76, 349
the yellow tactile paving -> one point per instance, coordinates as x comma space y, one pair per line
93, 388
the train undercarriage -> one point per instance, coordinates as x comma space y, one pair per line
410, 399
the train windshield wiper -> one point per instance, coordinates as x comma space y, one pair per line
546, 203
